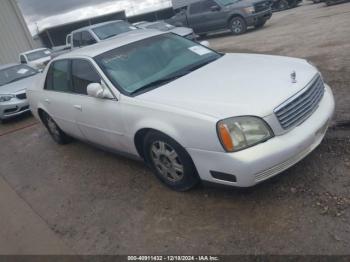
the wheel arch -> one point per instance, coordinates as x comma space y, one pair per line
233, 16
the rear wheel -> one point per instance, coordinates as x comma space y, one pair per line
170, 162
56, 133
283, 5
238, 25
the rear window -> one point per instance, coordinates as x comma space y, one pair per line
112, 29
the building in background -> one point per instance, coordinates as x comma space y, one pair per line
14, 34
56, 35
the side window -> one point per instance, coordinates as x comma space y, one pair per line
58, 77
87, 39
69, 39
195, 8
76, 39
83, 74
207, 5
23, 59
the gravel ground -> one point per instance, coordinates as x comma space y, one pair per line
99, 203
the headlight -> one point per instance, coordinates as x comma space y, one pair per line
249, 10
238, 133
5, 98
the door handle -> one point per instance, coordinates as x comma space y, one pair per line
47, 101
78, 107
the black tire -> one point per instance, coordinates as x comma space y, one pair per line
55, 131
202, 35
238, 25
282, 5
260, 24
173, 166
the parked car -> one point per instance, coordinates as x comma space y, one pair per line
165, 27
205, 16
99, 32
37, 58
14, 79
279, 5
190, 112
334, 2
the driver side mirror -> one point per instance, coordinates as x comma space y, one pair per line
215, 8
98, 91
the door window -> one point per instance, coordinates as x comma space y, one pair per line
195, 8
76, 39
58, 77
23, 59
83, 74
207, 5
87, 39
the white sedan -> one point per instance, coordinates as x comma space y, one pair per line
190, 112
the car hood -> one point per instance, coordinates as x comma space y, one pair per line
182, 31
235, 84
18, 86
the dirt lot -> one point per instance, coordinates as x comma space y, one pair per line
98, 203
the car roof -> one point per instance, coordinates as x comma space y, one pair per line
96, 25
117, 41
7, 66
34, 50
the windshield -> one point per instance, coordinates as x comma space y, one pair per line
15, 73
162, 26
38, 54
137, 65
109, 30
228, 2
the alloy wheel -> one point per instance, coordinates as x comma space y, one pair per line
167, 161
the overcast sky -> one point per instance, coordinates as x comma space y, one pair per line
46, 13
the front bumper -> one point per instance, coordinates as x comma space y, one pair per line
256, 164
257, 18
13, 108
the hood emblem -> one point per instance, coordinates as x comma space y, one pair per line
293, 76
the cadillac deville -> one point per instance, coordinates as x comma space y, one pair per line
189, 112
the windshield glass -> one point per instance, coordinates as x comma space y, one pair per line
15, 73
38, 54
162, 26
228, 2
136, 65
112, 29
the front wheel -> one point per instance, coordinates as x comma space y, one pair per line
238, 25
170, 162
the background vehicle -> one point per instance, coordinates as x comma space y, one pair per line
99, 32
177, 105
334, 2
205, 16
14, 79
37, 58
279, 5
165, 27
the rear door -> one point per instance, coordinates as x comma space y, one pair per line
58, 97
196, 18
100, 120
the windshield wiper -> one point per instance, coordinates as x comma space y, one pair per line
158, 82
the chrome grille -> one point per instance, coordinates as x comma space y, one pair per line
299, 107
